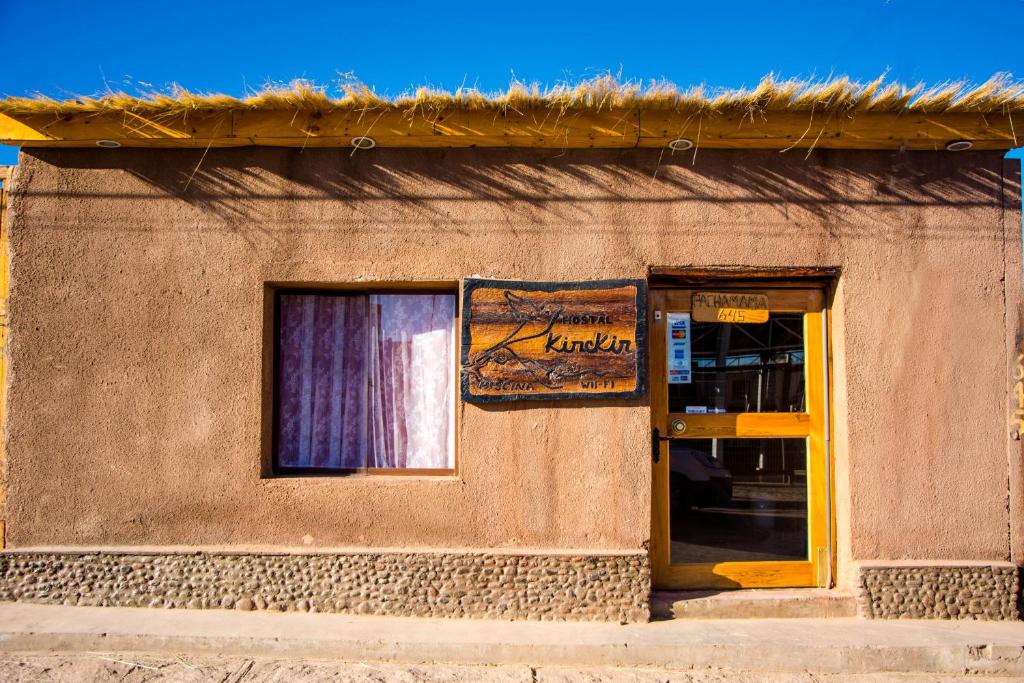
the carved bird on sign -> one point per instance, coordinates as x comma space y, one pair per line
523, 311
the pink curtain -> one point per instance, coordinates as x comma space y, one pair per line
365, 381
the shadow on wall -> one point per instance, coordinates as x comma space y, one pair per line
845, 192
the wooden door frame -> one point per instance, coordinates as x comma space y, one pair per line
818, 569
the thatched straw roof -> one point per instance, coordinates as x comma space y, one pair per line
596, 113
998, 94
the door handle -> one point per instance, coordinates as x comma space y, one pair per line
656, 439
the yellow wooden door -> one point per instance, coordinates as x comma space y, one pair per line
740, 483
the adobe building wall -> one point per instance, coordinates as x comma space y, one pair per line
136, 414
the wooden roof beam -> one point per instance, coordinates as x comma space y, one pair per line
543, 128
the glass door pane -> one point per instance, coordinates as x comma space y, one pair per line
737, 500
744, 368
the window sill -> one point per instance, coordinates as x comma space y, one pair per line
382, 474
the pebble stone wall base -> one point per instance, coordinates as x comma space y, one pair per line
968, 591
491, 586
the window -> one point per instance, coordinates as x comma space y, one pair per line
364, 381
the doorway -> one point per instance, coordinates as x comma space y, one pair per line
739, 438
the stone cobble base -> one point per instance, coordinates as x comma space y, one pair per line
481, 585
987, 592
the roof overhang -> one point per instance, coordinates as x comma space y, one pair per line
542, 127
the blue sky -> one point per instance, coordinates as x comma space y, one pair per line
63, 48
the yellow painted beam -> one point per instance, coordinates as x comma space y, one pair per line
540, 128
863, 130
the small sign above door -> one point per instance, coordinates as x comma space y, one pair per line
523, 340
730, 307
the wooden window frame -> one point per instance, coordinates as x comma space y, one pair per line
273, 292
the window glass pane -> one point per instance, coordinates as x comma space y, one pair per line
365, 381
738, 500
411, 376
744, 368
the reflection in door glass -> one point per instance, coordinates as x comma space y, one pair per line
738, 500
743, 368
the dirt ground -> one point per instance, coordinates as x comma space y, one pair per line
134, 668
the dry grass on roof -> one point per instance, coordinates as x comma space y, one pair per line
1000, 94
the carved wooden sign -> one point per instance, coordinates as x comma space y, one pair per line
730, 307
534, 340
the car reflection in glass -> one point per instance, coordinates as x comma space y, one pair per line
697, 480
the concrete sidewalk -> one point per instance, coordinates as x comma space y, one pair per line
849, 646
